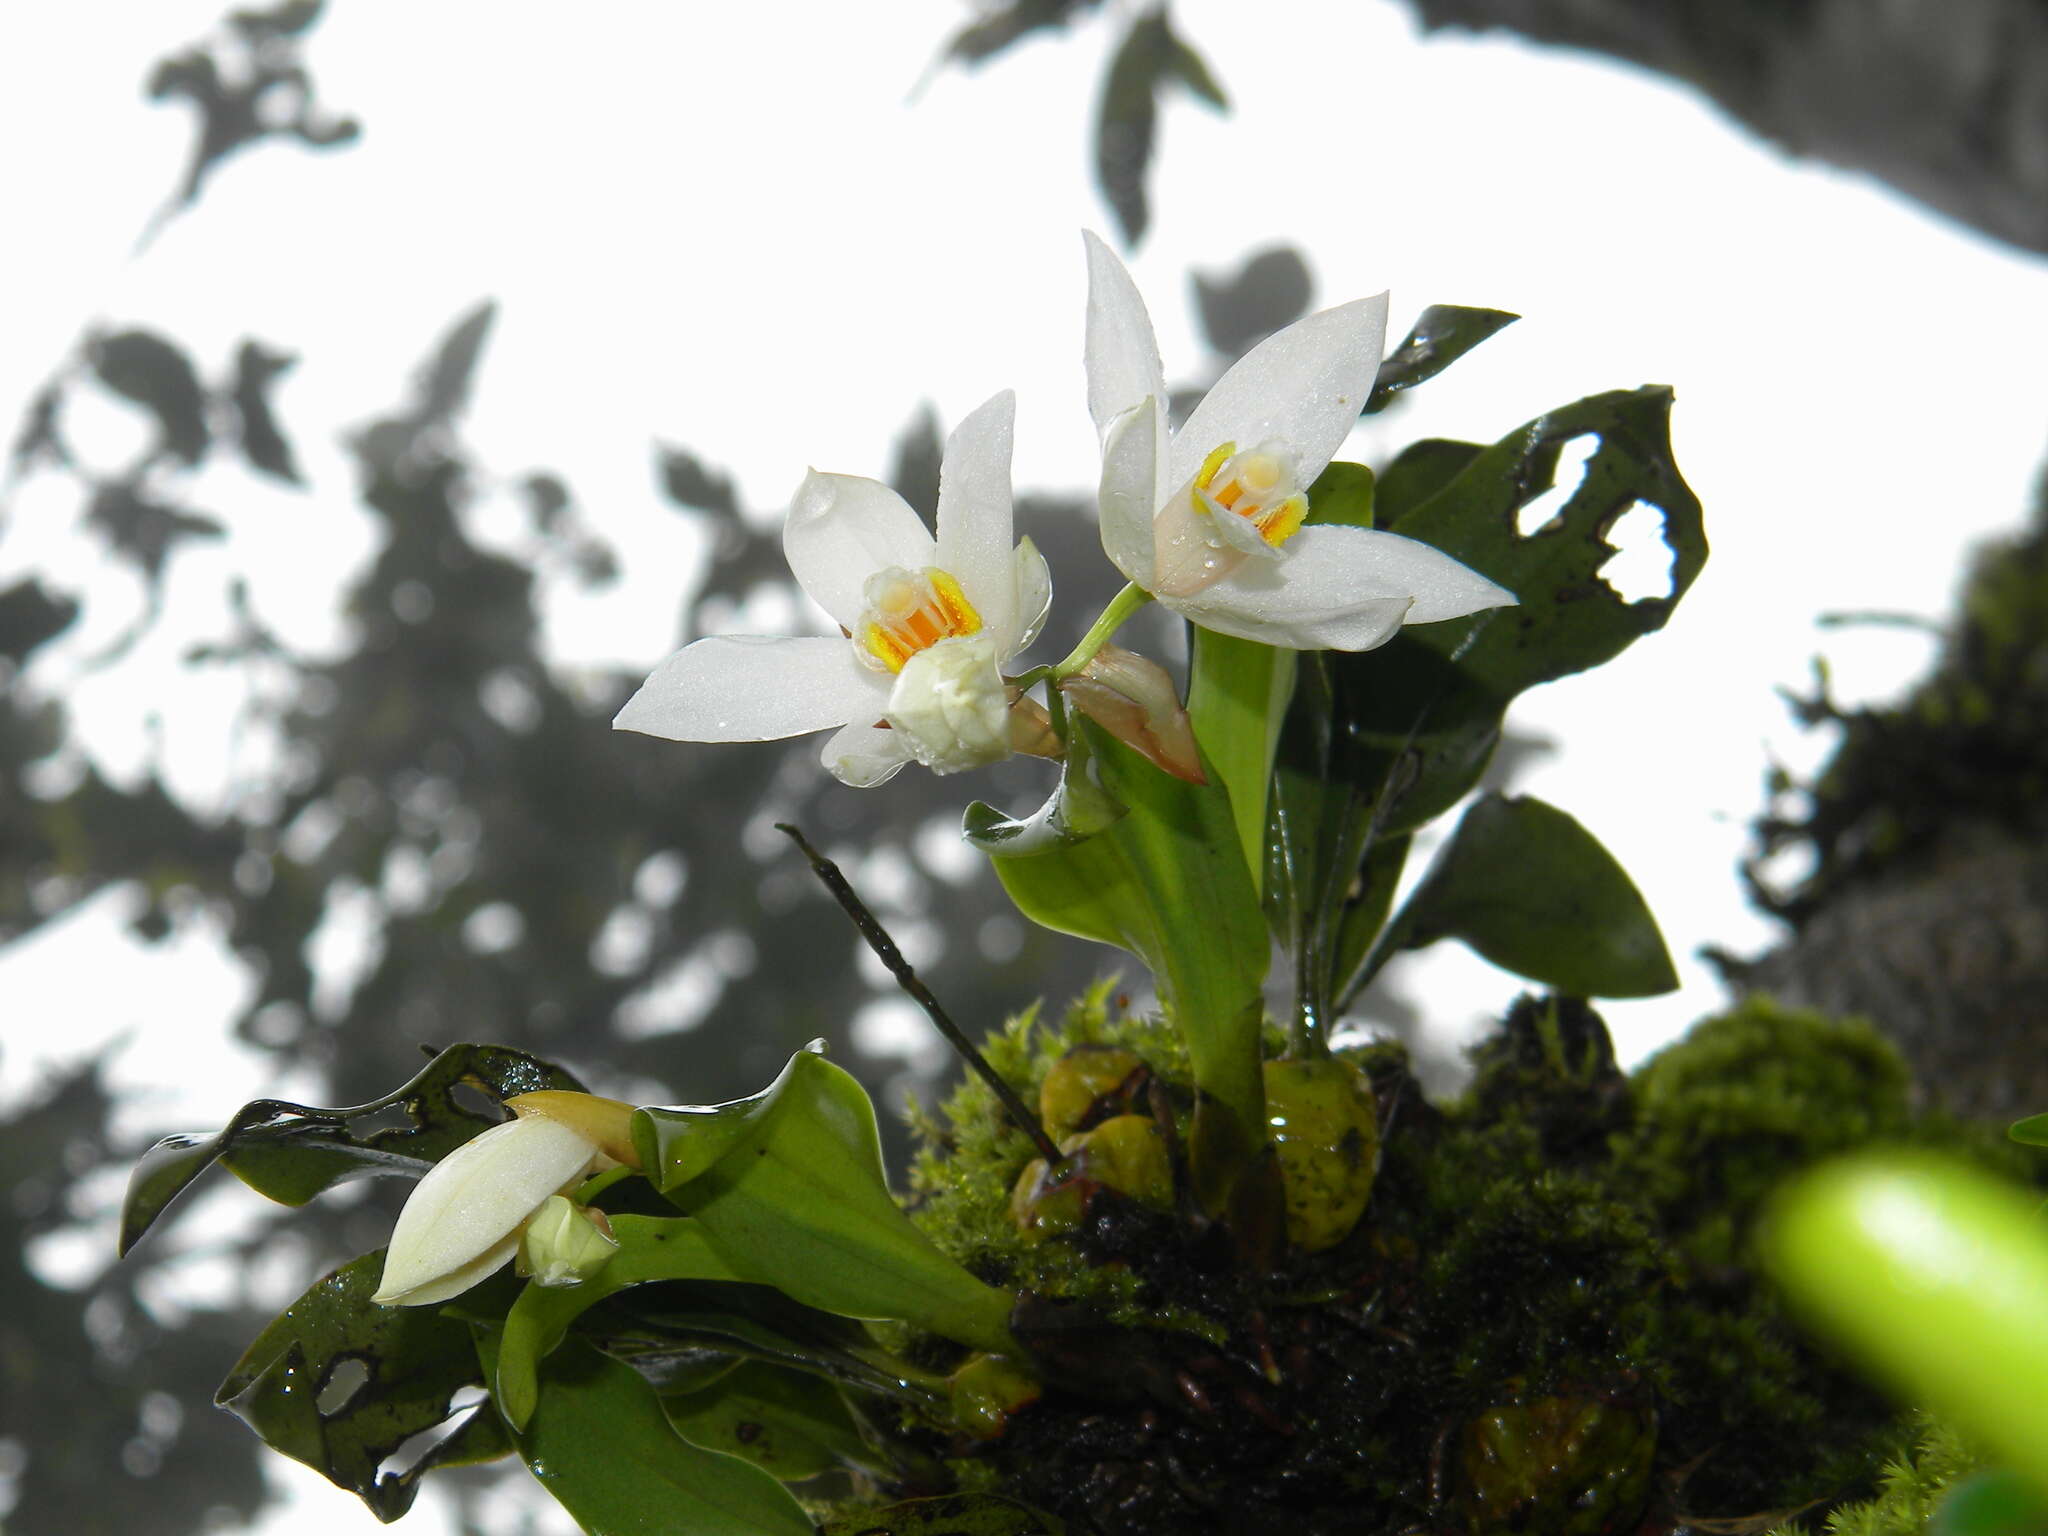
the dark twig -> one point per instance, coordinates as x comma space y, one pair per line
885, 949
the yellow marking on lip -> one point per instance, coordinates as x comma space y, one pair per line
913, 612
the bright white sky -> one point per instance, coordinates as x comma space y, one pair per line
734, 228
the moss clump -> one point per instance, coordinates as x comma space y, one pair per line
1545, 1321
1910, 1489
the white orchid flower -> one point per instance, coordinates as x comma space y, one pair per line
929, 625
467, 1215
1209, 519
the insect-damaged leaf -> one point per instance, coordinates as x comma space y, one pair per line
291, 1152
1380, 742
340, 1383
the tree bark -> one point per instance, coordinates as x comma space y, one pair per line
1946, 100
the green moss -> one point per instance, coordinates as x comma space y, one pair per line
1910, 1489
1565, 1246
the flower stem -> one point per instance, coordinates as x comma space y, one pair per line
1121, 607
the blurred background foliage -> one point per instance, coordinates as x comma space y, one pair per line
520, 873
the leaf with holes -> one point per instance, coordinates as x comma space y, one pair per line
600, 1444
342, 1385
292, 1152
1380, 742
1529, 888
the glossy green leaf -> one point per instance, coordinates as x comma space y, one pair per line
292, 1152
1343, 494
650, 1248
340, 1383
677, 1335
1075, 811
2032, 1131
599, 1442
1380, 742
957, 1514
1529, 888
790, 1424
1418, 472
1440, 336
1158, 884
799, 1201
1237, 697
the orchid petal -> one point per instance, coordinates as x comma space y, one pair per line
1345, 589
1303, 386
975, 515
754, 688
844, 528
864, 754
473, 1202
1388, 564
1034, 594
1122, 354
1129, 492
458, 1279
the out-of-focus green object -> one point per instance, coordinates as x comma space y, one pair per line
1936, 1275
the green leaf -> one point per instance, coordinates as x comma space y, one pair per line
1237, 697
1343, 494
1534, 892
798, 1200
1380, 742
790, 1424
600, 1444
292, 1387
2032, 1131
1443, 334
1075, 811
675, 1333
292, 1152
1159, 884
1417, 473
957, 1514
650, 1248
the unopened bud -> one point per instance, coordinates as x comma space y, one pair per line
1135, 701
605, 1123
566, 1243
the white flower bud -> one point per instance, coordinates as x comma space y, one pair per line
951, 706
464, 1218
